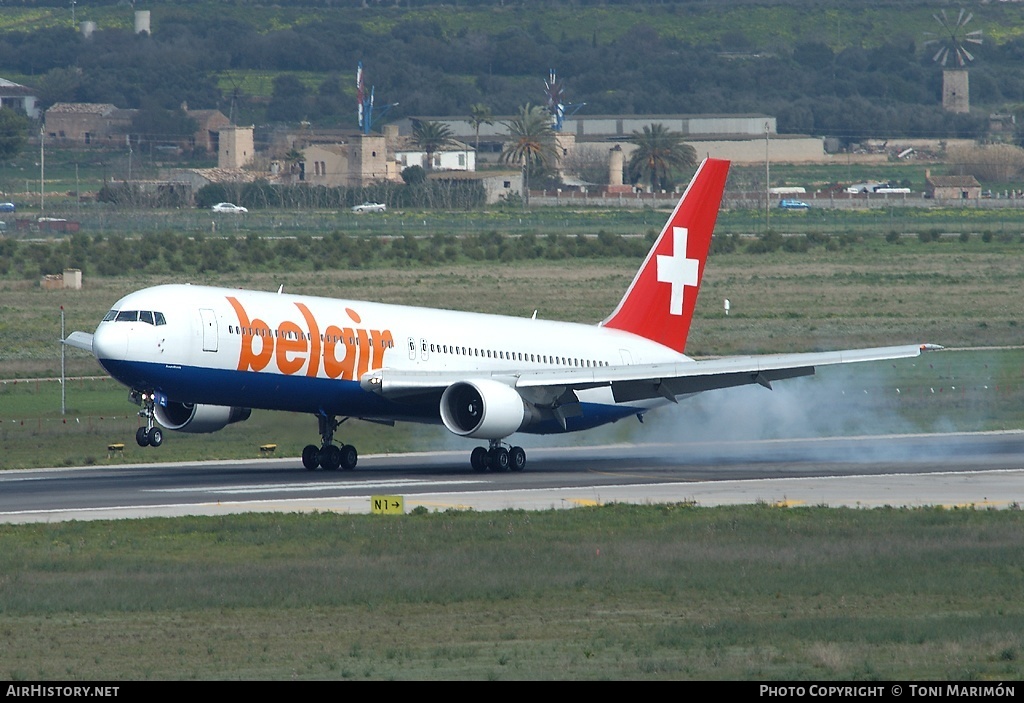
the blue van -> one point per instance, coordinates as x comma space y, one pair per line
794, 205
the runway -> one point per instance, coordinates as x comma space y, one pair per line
981, 470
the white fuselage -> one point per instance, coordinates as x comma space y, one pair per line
279, 351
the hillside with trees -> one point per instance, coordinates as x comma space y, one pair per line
822, 68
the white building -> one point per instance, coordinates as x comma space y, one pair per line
454, 157
19, 98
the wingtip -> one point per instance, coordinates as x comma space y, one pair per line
931, 347
78, 340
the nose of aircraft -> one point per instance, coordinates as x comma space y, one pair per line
110, 341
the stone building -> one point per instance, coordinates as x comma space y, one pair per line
235, 147
99, 124
952, 187
358, 161
103, 124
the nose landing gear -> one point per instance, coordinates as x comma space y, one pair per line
150, 435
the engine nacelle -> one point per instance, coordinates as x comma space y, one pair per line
483, 409
186, 417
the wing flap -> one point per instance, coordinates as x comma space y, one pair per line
672, 388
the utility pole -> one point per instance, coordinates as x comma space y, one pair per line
42, 172
767, 180
63, 406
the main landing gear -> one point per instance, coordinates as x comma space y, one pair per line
329, 456
150, 435
498, 458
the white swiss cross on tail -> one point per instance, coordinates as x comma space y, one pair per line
663, 312
678, 270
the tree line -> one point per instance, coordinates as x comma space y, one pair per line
168, 251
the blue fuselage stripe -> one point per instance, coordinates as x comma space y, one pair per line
303, 394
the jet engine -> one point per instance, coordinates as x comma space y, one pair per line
483, 409
186, 417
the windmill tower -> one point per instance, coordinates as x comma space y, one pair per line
950, 42
565, 143
554, 92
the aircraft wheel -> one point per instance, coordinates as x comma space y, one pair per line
498, 459
142, 437
349, 457
311, 457
478, 459
330, 458
517, 458
155, 436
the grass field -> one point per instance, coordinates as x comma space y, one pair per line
619, 592
868, 292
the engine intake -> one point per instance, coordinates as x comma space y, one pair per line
186, 417
483, 409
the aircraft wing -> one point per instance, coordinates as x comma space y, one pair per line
641, 381
80, 340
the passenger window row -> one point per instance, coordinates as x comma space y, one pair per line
337, 339
515, 356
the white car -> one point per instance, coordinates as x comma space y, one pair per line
228, 207
370, 207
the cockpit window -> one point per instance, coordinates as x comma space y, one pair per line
147, 316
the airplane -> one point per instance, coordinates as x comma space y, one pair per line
199, 358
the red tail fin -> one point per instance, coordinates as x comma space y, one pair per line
659, 302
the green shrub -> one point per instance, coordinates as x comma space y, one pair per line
797, 244
766, 243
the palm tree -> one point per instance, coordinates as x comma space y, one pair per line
658, 152
431, 136
533, 142
292, 160
479, 114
